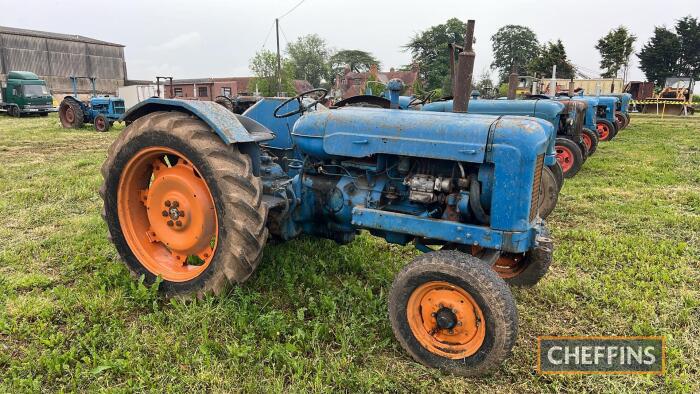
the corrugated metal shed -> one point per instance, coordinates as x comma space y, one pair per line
55, 57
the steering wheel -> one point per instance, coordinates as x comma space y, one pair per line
301, 107
417, 100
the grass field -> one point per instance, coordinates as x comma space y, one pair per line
314, 317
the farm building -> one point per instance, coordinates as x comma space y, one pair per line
55, 57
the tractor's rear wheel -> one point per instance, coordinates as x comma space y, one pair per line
526, 269
449, 310
606, 130
181, 204
101, 123
549, 193
590, 139
569, 156
71, 114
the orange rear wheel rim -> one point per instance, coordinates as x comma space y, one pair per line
167, 214
446, 320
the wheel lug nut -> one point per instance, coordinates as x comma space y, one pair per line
178, 223
176, 204
167, 203
181, 213
165, 213
170, 223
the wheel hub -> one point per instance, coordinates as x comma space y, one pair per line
167, 214
564, 157
182, 196
446, 320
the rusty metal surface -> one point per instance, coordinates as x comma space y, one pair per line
465, 69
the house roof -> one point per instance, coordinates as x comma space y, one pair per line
56, 36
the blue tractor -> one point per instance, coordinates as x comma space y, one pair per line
101, 111
192, 192
622, 108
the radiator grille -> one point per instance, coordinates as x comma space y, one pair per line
536, 186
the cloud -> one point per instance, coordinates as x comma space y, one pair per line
177, 42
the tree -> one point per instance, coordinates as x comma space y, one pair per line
688, 31
550, 54
513, 46
615, 50
658, 58
485, 85
429, 50
309, 54
264, 67
356, 60
669, 53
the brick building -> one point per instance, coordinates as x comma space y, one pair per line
207, 89
354, 84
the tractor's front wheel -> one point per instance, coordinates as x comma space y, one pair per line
569, 156
558, 173
621, 119
590, 139
101, 123
606, 129
181, 204
449, 310
71, 114
549, 193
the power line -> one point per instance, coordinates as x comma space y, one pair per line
268, 35
284, 35
293, 8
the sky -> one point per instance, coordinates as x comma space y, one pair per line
217, 38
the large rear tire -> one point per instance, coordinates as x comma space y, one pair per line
449, 310
181, 204
569, 156
526, 269
71, 114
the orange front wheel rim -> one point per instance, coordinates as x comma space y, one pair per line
446, 320
167, 214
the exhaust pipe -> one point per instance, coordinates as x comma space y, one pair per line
512, 84
465, 69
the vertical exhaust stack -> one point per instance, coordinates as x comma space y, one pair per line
571, 88
512, 83
465, 69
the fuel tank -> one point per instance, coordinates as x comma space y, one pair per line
363, 132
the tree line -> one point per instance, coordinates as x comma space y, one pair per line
669, 52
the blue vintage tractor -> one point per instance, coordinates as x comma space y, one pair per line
589, 133
101, 111
622, 108
192, 191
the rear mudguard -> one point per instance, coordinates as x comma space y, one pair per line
230, 127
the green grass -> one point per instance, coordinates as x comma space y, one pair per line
314, 317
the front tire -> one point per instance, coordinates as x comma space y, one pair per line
101, 123
606, 130
549, 193
558, 174
451, 311
590, 139
569, 156
181, 204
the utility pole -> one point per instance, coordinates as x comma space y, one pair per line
279, 62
